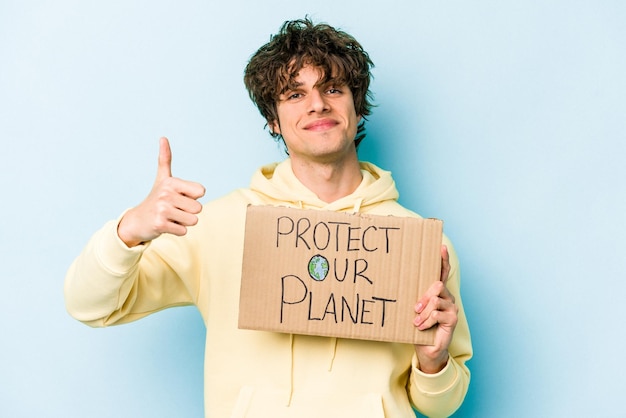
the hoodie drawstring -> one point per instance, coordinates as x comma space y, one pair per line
333, 352
357, 205
290, 370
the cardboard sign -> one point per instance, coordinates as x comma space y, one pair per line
337, 274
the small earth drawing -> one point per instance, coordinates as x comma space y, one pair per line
318, 267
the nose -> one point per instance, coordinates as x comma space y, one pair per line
317, 102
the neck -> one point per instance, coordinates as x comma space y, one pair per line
329, 181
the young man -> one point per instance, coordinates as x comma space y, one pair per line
310, 83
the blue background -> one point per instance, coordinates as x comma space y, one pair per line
505, 119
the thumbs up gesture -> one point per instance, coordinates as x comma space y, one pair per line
171, 206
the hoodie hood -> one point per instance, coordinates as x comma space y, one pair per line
279, 185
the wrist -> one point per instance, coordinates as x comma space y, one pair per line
124, 235
432, 365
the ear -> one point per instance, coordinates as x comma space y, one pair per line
274, 126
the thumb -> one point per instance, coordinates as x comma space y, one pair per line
165, 159
445, 263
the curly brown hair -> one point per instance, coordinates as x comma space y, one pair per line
274, 67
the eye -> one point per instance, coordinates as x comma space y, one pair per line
333, 90
291, 96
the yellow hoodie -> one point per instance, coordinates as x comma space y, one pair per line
256, 373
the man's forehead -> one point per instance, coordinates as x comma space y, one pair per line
295, 78
295, 73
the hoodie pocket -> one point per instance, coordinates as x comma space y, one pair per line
243, 402
263, 403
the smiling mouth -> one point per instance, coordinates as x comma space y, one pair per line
321, 125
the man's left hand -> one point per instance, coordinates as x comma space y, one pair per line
436, 308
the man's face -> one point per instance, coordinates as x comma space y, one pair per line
317, 122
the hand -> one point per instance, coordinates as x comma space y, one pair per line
436, 308
170, 207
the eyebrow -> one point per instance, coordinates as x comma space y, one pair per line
290, 87
294, 85
320, 83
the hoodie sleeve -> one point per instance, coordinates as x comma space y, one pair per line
109, 283
440, 394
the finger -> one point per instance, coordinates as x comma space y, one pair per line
441, 318
438, 311
186, 204
445, 263
432, 293
423, 322
428, 316
174, 221
172, 186
437, 290
182, 218
165, 160
189, 189
173, 228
